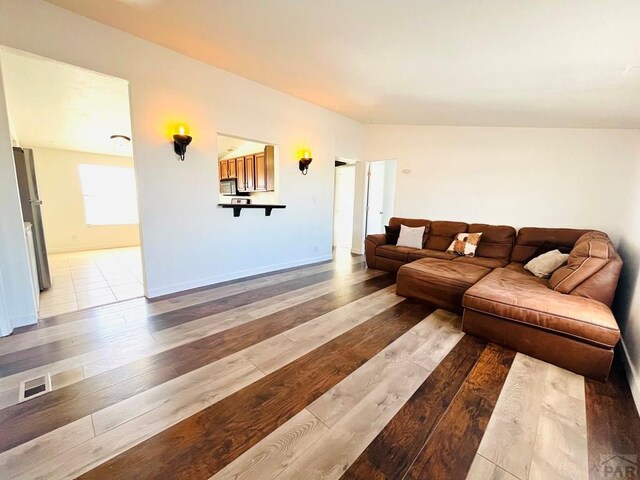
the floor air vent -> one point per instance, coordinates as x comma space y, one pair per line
35, 387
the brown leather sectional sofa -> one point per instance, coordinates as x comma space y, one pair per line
565, 320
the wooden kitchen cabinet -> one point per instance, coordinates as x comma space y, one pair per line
250, 173
224, 169
254, 173
265, 170
240, 175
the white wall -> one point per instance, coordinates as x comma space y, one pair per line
63, 204
627, 302
389, 200
514, 176
16, 294
187, 240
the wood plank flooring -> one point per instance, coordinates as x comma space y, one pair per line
317, 372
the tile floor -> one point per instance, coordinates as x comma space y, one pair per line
91, 278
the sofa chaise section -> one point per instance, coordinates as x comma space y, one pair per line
521, 312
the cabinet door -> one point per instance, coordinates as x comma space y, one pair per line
250, 173
270, 166
261, 173
224, 169
232, 168
240, 175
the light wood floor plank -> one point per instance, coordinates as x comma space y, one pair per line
20, 459
483, 469
560, 451
511, 432
230, 369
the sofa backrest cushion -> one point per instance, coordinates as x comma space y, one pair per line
412, 222
593, 266
534, 241
442, 233
496, 241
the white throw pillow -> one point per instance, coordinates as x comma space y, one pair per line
544, 265
410, 237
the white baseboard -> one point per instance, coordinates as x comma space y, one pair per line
203, 282
632, 376
355, 251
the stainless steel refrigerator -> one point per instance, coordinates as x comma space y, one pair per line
32, 210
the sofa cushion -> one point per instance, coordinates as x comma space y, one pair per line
439, 282
445, 271
428, 253
523, 298
497, 240
482, 262
394, 252
592, 252
442, 233
517, 267
534, 241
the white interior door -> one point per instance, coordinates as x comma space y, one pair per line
375, 198
343, 206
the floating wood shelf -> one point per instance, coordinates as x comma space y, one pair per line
237, 208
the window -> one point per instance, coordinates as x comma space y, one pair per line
109, 195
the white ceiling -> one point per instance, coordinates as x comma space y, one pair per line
61, 106
542, 63
231, 147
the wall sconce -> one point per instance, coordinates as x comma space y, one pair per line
304, 163
180, 142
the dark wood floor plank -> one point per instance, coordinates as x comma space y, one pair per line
451, 447
204, 443
43, 414
395, 449
613, 424
363, 470
40, 355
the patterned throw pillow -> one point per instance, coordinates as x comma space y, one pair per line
465, 244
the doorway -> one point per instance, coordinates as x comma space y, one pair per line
343, 205
381, 189
71, 131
